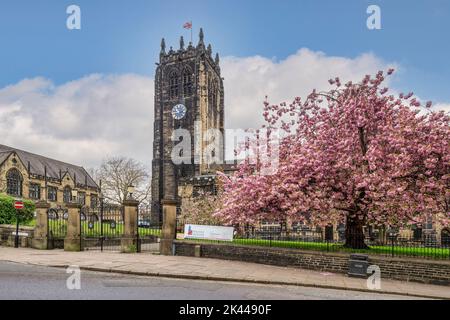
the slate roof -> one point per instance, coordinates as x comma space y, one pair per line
54, 167
4, 156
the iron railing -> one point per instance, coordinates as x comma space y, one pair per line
102, 227
57, 227
427, 246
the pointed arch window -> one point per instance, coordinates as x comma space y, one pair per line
14, 183
174, 85
82, 198
214, 96
94, 201
35, 191
52, 194
67, 195
187, 82
213, 88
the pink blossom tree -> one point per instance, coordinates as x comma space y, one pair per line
354, 153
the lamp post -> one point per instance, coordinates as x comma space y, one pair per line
130, 191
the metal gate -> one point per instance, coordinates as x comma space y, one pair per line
102, 227
57, 227
149, 231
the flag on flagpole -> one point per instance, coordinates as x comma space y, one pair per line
187, 25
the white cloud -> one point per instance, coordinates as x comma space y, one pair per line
81, 121
84, 120
249, 80
442, 106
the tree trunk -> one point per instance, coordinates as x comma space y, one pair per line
354, 234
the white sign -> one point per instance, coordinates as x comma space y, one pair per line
21, 234
192, 231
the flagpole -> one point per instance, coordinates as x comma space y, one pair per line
192, 27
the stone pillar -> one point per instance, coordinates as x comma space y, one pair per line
72, 242
129, 242
169, 233
40, 238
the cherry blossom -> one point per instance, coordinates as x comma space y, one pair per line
353, 154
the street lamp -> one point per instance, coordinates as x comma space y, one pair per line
130, 192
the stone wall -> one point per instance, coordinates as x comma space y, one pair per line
425, 271
7, 237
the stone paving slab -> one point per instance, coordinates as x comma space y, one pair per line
212, 269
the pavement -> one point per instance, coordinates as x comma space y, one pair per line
211, 269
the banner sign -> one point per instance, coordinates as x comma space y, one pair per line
20, 234
192, 231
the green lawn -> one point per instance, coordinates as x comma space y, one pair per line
31, 223
59, 229
114, 232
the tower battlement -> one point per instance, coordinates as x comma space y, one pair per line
188, 52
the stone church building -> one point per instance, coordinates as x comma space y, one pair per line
34, 177
189, 95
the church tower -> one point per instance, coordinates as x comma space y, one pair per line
189, 95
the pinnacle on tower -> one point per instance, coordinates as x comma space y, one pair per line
209, 50
217, 58
202, 37
181, 43
163, 46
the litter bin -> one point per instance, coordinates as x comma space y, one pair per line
358, 265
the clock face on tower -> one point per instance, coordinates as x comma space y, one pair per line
179, 112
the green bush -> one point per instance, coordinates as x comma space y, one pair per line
8, 213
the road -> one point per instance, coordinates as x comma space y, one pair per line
19, 281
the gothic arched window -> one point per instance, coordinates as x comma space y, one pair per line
14, 183
67, 195
174, 84
213, 88
187, 82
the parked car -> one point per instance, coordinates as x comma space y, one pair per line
144, 224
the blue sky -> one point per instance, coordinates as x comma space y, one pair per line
120, 36
93, 89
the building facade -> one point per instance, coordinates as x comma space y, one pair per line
189, 95
34, 177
